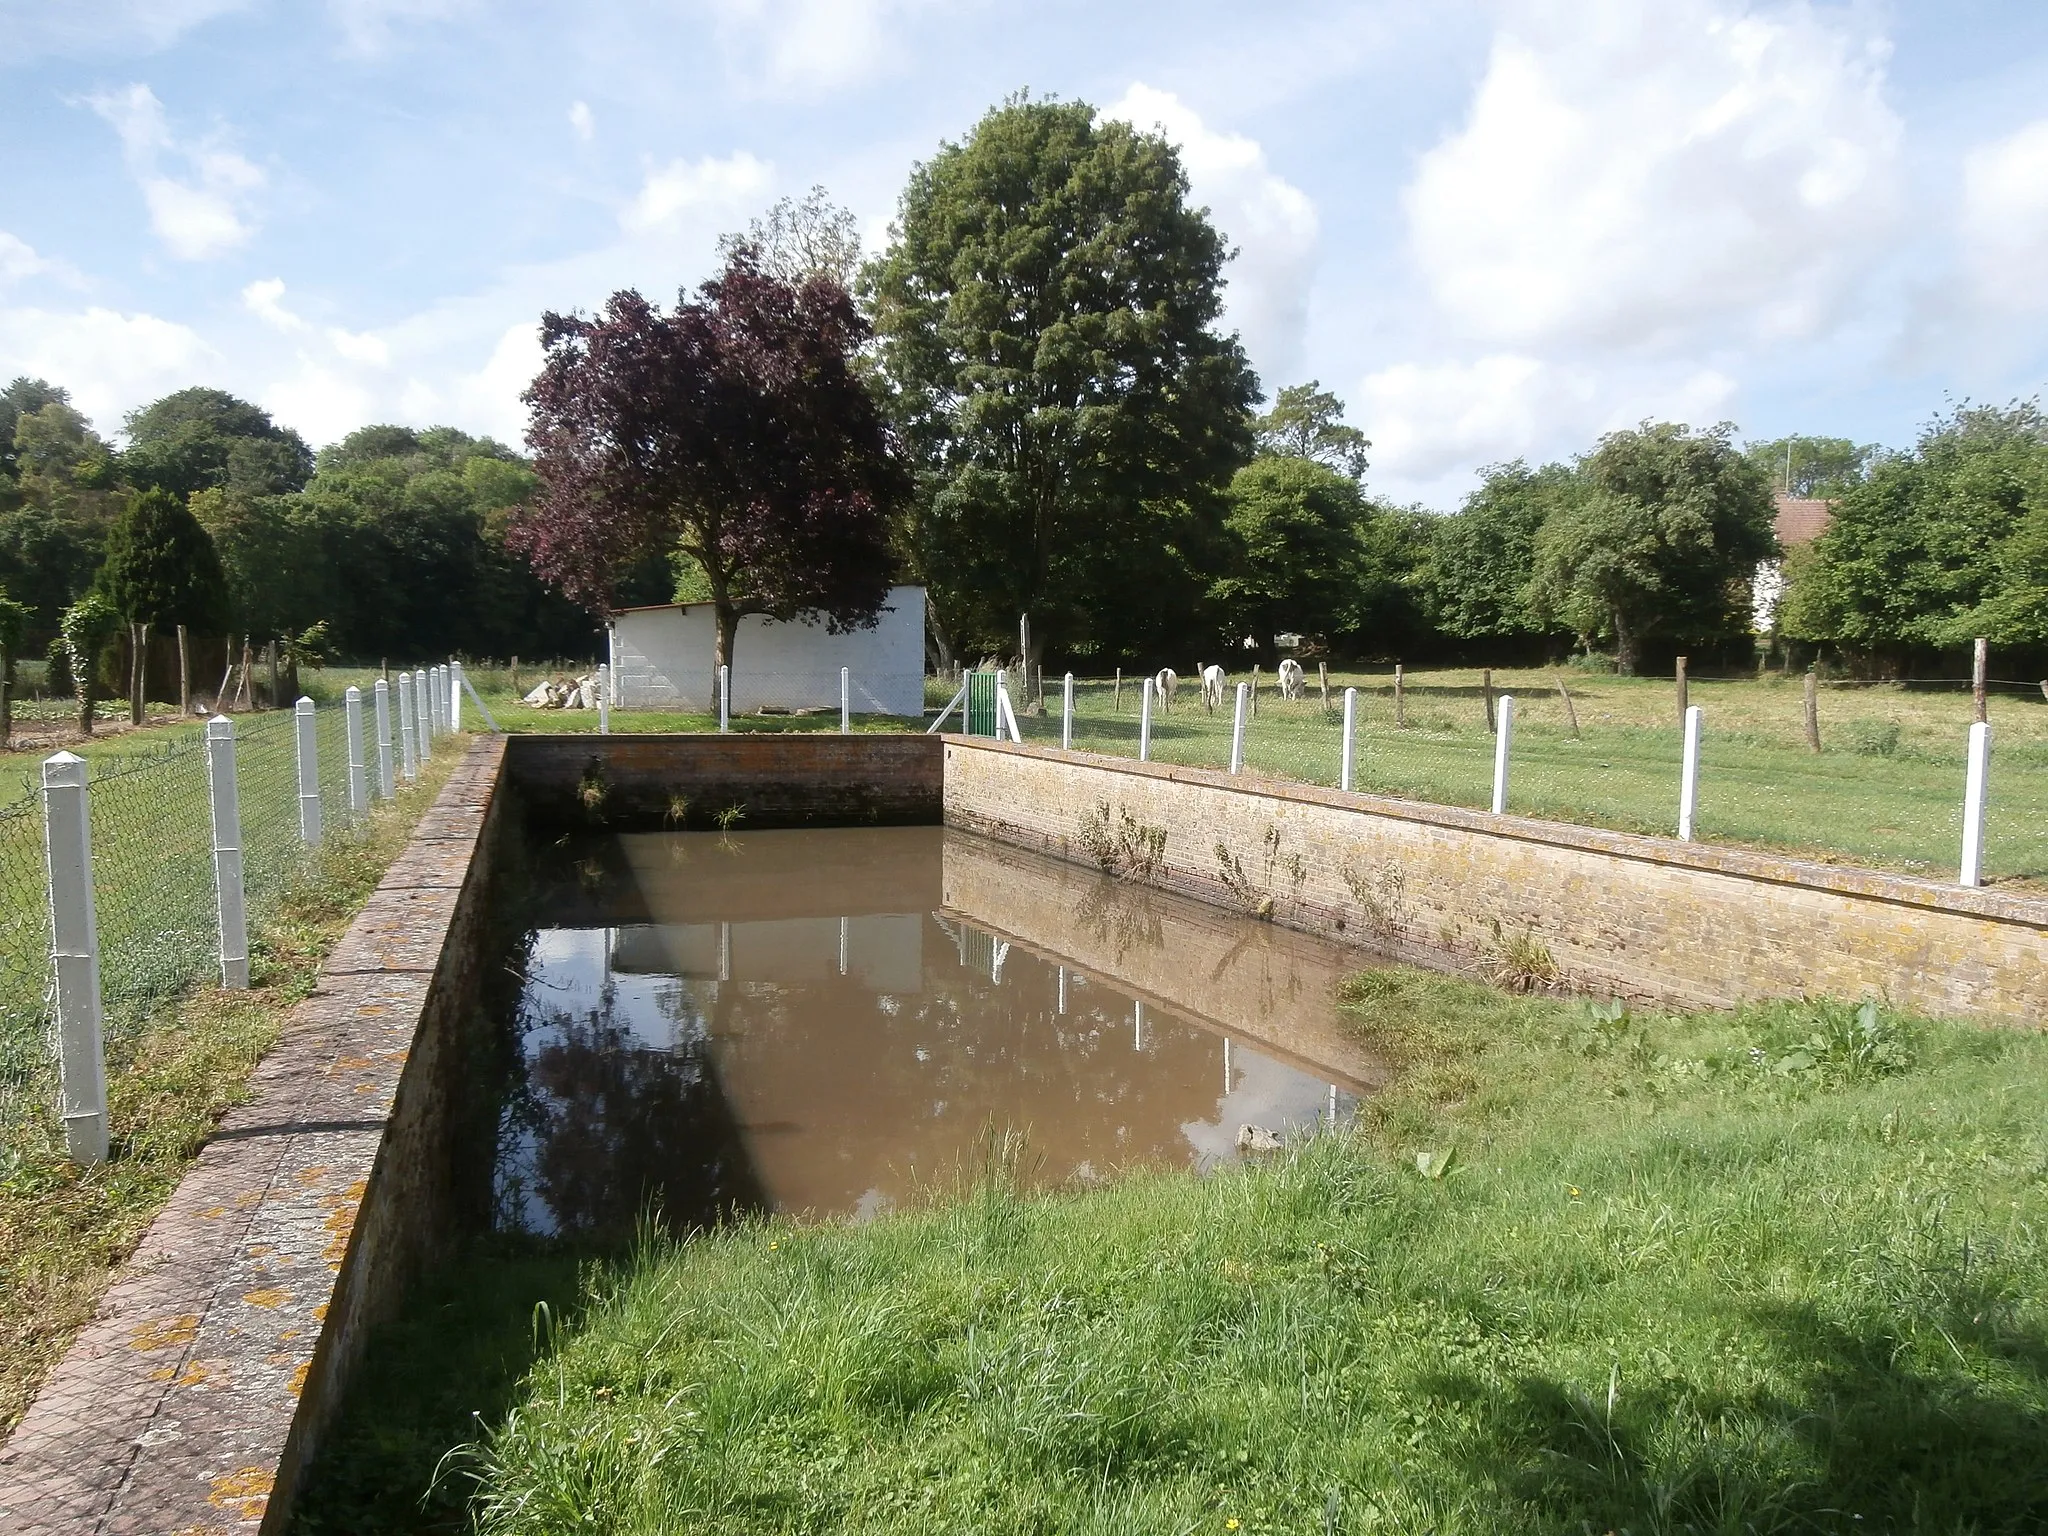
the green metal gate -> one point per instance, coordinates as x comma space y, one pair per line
981, 704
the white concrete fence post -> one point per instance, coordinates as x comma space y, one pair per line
408, 728
1237, 729
423, 727
724, 698
358, 777
1067, 738
440, 701
1145, 721
604, 699
385, 783
305, 723
227, 852
454, 695
1975, 779
1503, 742
1689, 774
845, 701
75, 956
1350, 729
1002, 682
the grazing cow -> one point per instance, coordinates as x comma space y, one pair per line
1212, 688
1167, 682
1292, 679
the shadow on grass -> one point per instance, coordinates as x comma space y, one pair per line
1872, 1440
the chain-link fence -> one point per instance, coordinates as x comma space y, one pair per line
153, 873
1887, 789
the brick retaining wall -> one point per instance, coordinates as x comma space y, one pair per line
777, 779
213, 1365
1646, 917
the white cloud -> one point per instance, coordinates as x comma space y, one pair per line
202, 216
18, 259
686, 191
360, 347
581, 123
1638, 171
789, 45
108, 360
2005, 219
1428, 422
1271, 222
264, 299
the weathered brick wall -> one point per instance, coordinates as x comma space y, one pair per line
213, 1365
777, 779
1645, 917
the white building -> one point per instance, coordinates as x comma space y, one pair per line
661, 659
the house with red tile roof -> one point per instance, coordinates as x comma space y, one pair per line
1798, 520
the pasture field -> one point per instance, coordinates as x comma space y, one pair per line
1885, 791
1773, 1270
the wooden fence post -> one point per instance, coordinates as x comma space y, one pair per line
1812, 712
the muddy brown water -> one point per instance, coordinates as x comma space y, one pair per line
835, 1021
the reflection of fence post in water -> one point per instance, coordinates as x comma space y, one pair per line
1226, 1066
725, 951
1137, 1026
842, 946
75, 956
1062, 1005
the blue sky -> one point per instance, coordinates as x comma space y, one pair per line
1495, 229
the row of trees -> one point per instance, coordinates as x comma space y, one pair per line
391, 542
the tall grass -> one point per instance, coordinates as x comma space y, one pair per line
1774, 1270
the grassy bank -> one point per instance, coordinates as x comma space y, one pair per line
65, 1231
1774, 1270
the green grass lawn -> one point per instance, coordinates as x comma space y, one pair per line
1775, 1270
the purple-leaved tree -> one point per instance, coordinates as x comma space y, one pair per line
734, 429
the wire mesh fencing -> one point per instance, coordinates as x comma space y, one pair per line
153, 874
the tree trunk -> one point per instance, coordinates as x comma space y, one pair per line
138, 670
6, 699
1627, 649
1034, 669
82, 670
276, 688
727, 623
184, 672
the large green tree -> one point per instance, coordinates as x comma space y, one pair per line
199, 439
58, 497
1822, 467
1475, 579
1047, 309
1660, 546
1307, 422
1937, 545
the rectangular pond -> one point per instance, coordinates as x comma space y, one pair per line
833, 1021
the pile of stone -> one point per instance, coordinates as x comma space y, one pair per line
581, 694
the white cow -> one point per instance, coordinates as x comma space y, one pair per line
1212, 688
1292, 679
1167, 682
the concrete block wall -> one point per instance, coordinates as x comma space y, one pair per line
1643, 917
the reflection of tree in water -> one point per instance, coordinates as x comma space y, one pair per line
606, 1130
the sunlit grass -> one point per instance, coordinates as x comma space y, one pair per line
1773, 1270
